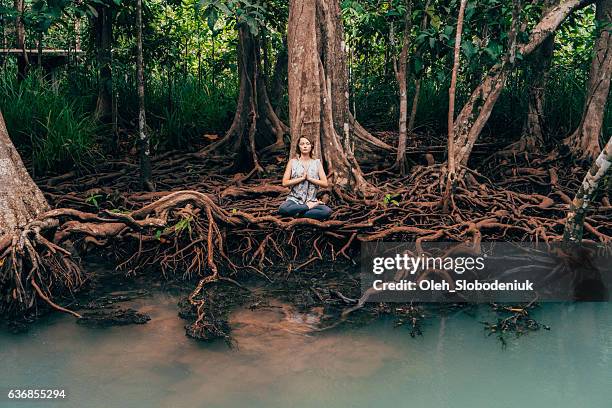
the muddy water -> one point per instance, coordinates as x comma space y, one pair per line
281, 362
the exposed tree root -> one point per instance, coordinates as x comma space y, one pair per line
32, 267
232, 228
513, 319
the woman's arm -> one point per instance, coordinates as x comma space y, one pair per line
322, 182
291, 182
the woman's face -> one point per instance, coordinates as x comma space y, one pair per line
304, 145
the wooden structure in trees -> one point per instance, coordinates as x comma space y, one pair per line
51, 58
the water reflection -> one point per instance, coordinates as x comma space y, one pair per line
280, 361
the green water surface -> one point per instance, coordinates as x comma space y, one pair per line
279, 362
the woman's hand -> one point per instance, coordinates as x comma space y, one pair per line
306, 170
312, 204
287, 181
298, 180
321, 181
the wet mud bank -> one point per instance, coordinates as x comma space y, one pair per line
307, 301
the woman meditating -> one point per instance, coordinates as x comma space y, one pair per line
304, 175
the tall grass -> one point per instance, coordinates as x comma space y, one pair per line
377, 105
55, 127
46, 125
180, 110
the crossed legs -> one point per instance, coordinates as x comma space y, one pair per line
291, 209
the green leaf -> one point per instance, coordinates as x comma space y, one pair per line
468, 49
435, 21
493, 50
417, 64
252, 26
93, 200
224, 9
421, 38
212, 17
92, 10
469, 11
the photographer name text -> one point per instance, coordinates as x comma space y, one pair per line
459, 285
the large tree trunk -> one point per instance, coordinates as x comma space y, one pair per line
20, 199
103, 40
574, 223
475, 113
584, 142
533, 132
145, 153
401, 69
318, 89
255, 124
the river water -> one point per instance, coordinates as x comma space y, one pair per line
280, 362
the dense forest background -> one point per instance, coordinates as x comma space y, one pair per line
72, 111
155, 132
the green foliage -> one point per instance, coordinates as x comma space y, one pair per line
119, 211
53, 129
158, 234
93, 200
390, 199
182, 111
192, 79
575, 39
242, 11
182, 225
484, 43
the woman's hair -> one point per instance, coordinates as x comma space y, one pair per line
312, 146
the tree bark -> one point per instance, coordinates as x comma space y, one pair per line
451, 99
451, 168
21, 200
255, 124
103, 40
584, 142
318, 89
533, 132
574, 222
145, 152
475, 113
400, 69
